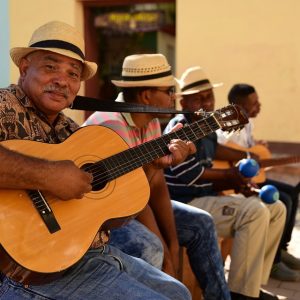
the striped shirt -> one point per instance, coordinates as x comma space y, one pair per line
123, 125
184, 180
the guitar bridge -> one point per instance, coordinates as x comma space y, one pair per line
44, 210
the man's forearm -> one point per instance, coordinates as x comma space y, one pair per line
21, 171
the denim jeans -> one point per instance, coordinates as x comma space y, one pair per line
106, 273
136, 240
196, 232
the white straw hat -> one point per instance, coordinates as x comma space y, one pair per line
194, 80
60, 38
145, 70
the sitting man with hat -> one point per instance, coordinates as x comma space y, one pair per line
51, 70
255, 226
147, 79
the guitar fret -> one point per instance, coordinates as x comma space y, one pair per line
130, 159
133, 158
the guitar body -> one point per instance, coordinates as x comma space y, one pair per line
27, 244
259, 150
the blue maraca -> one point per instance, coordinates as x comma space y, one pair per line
269, 194
248, 167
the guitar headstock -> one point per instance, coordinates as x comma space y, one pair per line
231, 117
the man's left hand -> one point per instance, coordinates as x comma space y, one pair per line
179, 149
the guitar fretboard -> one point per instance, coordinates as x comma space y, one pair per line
277, 161
133, 158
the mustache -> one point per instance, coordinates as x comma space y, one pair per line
53, 88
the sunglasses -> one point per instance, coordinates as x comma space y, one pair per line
169, 91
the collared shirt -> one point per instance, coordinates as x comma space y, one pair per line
123, 125
20, 119
243, 137
184, 180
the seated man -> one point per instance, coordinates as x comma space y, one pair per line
51, 70
255, 226
285, 264
147, 79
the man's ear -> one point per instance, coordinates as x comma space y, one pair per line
23, 67
145, 96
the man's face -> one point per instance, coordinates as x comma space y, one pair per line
204, 99
50, 80
252, 105
162, 97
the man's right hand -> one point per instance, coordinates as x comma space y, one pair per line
66, 181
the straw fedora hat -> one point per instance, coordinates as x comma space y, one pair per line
194, 80
60, 38
145, 70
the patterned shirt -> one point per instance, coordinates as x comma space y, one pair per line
20, 119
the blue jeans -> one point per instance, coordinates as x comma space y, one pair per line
196, 232
106, 273
145, 244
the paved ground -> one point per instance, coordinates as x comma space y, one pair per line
288, 290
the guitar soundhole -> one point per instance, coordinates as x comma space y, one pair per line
100, 175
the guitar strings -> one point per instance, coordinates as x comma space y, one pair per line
136, 161
148, 156
126, 166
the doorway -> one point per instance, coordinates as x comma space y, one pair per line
121, 28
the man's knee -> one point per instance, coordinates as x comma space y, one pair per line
277, 212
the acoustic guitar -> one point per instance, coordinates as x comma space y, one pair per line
266, 160
41, 237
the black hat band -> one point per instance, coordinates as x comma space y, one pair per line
147, 77
60, 45
196, 83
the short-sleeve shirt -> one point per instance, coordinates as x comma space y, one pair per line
184, 180
123, 125
243, 137
20, 119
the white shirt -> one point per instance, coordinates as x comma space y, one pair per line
243, 138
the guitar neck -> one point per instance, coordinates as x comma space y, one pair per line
271, 162
133, 158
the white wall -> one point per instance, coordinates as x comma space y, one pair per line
256, 42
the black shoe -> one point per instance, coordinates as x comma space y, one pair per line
290, 260
282, 272
265, 295
236, 296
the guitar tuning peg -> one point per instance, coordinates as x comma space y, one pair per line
229, 133
201, 112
